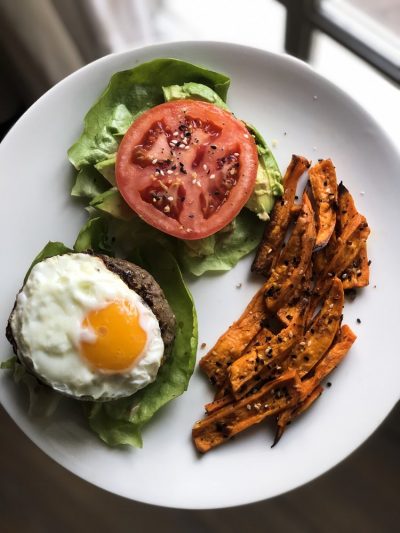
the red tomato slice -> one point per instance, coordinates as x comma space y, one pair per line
187, 168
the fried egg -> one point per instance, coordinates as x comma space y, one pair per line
83, 331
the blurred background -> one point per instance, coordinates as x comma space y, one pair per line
354, 43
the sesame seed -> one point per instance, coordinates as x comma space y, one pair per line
176, 133
162, 172
170, 198
236, 154
182, 146
248, 407
187, 147
167, 209
194, 181
188, 230
154, 200
232, 171
212, 177
245, 136
154, 161
198, 183
172, 144
205, 167
170, 171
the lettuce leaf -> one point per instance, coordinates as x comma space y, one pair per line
121, 421
228, 247
89, 183
43, 401
128, 94
104, 124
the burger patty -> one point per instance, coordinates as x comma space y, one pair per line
146, 286
139, 280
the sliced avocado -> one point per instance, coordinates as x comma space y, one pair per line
111, 202
107, 169
194, 91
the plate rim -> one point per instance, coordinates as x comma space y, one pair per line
252, 49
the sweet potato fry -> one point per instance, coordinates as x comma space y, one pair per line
231, 344
262, 361
219, 403
293, 261
349, 245
272, 398
286, 417
357, 275
324, 189
346, 208
322, 257
319, 336
288, 311
277, 226
311, 388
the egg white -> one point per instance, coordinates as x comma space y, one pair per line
47, 327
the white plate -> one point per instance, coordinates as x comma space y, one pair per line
277, 94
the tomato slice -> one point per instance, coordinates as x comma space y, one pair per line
187, 167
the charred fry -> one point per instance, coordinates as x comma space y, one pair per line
293, 262
286, 417
324, 189
272, 398
310, 388
262, 361
277, 226
321, 333
231, 344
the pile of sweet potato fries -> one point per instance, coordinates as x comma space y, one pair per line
272, 360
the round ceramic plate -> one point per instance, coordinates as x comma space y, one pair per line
305, 114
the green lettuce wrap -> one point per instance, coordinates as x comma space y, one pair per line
121, 421
128, 94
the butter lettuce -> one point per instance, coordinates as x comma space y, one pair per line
128, 94
121, 421
224, 249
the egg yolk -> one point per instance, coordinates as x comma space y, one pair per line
119, 337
